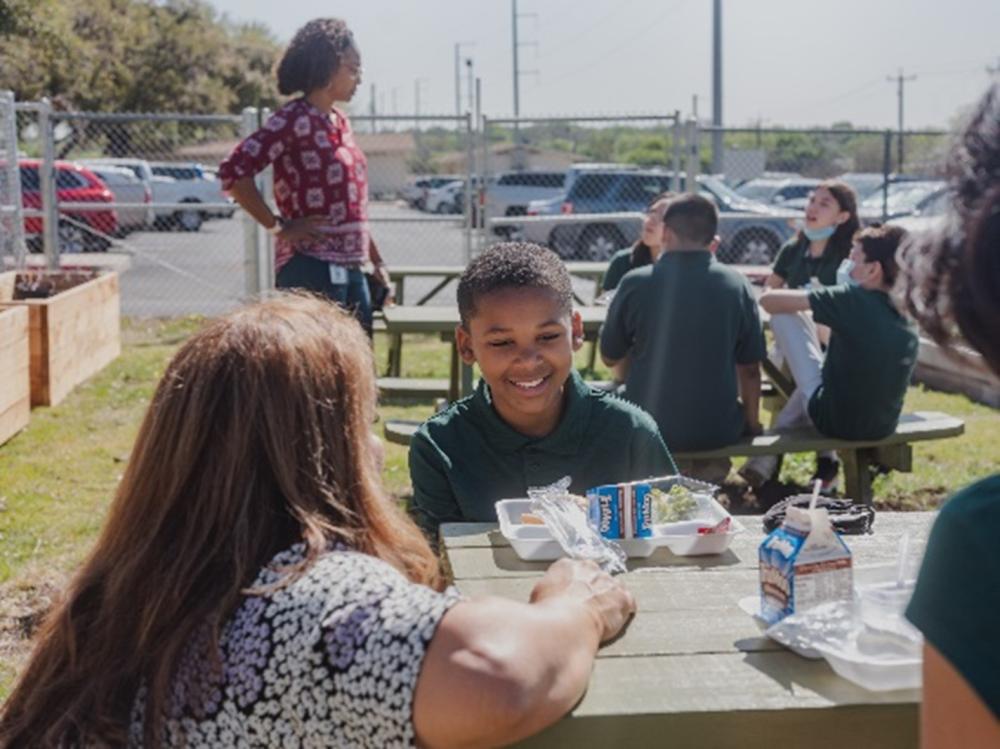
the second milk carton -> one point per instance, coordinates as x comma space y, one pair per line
802, 563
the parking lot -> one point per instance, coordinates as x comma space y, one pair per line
201, 273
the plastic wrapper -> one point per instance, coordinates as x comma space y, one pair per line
568, 523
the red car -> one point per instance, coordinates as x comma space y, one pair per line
79, 231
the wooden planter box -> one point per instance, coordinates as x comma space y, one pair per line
73, 334
15, 385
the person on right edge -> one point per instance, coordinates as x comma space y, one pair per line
855, 391
686, 337
951, 285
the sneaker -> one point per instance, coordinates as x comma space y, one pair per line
827, 471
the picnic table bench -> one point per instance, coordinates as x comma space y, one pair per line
693, 669
859, 458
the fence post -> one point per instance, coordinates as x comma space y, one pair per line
265, 240
470, 172
251, 229
693, 156
675, 178
484, 162
47, 186
886, 171
13, 217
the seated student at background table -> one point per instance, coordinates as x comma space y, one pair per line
255, 585
808, 260
647, 249
951, 284
532, 419
855, 391
686, 333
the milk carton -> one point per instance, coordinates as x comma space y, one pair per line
621, 511
802, 563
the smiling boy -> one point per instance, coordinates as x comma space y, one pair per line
532, 419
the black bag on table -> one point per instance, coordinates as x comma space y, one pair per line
847, 517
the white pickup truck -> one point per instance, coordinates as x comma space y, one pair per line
509, 193
174, 183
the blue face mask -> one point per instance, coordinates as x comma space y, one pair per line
844, 273
816, 234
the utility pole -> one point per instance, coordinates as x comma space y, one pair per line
900, 80
371, 106
458, 75
515, 48
416, 101
470, 84
717, 86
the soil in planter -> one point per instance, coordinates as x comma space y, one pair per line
45, 284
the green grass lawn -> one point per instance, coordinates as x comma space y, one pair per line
58, 475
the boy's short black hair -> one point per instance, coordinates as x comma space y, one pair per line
693, 218
513, 265
880, 244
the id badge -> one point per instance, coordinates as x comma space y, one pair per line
338, 275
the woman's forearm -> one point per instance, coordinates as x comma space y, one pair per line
246, 194
498, 671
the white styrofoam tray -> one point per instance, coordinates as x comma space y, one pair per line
535, 542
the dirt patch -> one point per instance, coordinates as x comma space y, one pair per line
23, 606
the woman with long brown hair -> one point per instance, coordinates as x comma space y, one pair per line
647, 248
951, 285
253, 585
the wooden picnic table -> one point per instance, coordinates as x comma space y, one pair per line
693, 669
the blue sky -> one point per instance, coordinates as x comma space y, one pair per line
786, 62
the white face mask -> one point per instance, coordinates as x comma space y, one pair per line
844, 276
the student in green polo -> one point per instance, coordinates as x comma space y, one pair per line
532, 419
858, 393
686, 335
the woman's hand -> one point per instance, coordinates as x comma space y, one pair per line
304, 228
608, 601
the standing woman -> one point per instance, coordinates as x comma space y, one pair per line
320, 173
646, 250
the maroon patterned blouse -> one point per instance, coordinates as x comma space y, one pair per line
319, 170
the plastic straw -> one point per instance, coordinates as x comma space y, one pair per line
904, 549
815, 497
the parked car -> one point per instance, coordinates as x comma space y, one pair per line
200, 185
127, 188
165, 191
509, 194
778, 191
447, 198
750, 232
863, 183
415, 193
79, 231
908, 198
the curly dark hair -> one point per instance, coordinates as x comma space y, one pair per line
950, 278
510, 265
313, 55
880, 244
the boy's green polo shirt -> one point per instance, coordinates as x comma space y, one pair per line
868, 364
685, 322
798, 267
956, 603
466, 458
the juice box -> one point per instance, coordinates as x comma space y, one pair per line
802, 563
620, 511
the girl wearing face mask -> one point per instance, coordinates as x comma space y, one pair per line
646, 250
811, 259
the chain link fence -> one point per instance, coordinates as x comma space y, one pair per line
441, 189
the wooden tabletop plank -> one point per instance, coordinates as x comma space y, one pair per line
747, 700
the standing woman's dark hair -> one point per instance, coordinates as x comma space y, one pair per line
323, 238
313, 56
